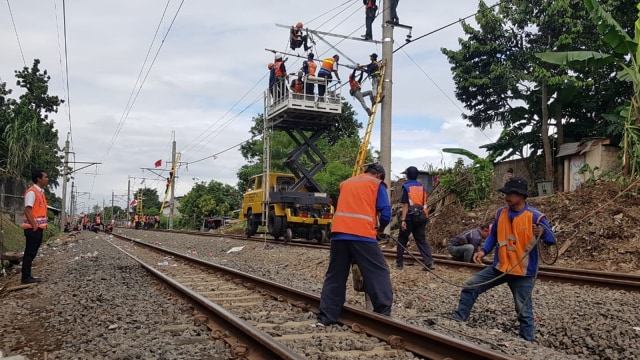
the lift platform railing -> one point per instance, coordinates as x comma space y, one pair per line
281, 96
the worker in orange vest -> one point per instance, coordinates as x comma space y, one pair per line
297, 86
309, 68
329, 67
356, 91
363, 212
297, 38
370, 9
34, 222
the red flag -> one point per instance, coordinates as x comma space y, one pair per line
133, 202
158, 163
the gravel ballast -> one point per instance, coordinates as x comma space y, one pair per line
107, 307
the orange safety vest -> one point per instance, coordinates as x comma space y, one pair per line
39, 210
418, 196
157, 218
312, 68
136, 218
515, 238
278, 69
353, 84
97, 219
369, 4
327, 64
356, 212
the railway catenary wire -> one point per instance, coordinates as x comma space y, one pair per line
360, 27
207, 133
282, 318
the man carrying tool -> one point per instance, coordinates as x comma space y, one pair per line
515, 234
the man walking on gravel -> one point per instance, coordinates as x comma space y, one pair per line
34, 222
515, 232
353, 240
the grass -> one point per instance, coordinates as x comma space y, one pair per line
11, 235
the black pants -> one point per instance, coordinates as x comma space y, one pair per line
370, 15
418, 232
34, 240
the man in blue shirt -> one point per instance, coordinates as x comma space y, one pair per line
464, 245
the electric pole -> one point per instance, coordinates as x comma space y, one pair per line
63, 211
387, 91
128, 199
174, 166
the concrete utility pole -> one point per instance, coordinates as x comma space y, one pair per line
387, 91
174, 166
128, 199
63, 211
72, 204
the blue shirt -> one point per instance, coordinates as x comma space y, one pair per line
384, 210
547, 237
405, 193
472, 237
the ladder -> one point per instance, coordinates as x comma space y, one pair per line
172, 176
366, 139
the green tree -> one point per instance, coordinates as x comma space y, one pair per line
150, 200
204, 200
624, 53
501, 82
29, 139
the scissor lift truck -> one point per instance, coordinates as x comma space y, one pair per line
295, 205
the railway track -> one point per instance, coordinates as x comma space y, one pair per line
260, 319
610, 280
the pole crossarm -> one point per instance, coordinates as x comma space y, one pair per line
336, 49
303, 57
316, 32
89, 163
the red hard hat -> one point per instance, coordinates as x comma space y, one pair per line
270, 66
299, 25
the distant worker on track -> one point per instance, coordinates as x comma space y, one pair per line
370, 9
329, 67
356, 91
297, 38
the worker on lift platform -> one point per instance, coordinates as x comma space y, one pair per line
280, 71
329, 67
297, 38
309, 68
297, 86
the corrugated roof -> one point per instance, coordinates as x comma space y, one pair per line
579, 147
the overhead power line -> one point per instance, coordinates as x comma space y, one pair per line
66, 63
16, 31
135, 98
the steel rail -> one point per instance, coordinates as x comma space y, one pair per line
422, 342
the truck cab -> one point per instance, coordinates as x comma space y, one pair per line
286, 213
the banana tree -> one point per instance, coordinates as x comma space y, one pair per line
626, 54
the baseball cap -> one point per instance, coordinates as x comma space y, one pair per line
515, 185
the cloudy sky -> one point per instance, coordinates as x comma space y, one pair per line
207, 81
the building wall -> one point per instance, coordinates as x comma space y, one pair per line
520, 169
604, 157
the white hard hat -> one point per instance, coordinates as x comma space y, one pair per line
278, 56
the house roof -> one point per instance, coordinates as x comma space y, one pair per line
580, 147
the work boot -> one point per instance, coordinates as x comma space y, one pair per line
369, 112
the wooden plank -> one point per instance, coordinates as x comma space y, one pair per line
19, 287
564, 247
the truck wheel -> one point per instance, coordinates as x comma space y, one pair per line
252, 225
274, 225
288, 235
323, 237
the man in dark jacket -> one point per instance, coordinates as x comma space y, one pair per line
464, 245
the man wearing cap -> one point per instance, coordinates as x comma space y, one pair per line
309, 68
413, 219
362, 204
373, 70
515, 234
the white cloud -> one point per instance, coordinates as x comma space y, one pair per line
213, 56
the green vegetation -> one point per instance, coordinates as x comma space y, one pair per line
472, 184
205, 200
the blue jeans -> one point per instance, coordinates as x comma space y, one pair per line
464, 252
521, 288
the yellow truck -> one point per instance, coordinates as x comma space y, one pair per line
287, 213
